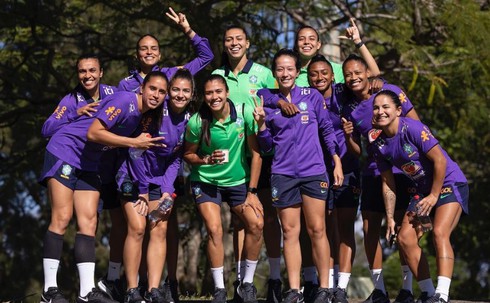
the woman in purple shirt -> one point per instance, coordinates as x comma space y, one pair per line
409, 145
70, 173
151, 177
299, 177
148, 55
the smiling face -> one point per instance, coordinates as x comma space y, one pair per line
320, 76
148, 52
285, 72
180, 92
385, 111
356, 76
89, 74
215, 95
307, 43
236, 43
153, 92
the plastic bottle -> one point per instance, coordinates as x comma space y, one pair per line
162, 209
425, 221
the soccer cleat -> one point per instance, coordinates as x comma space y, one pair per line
155, 295
112, 288
309, 291
133, 296
404, 296
377, 296
219, 295
436, 298
274, 291
293, 296
322, 295
339, 295
96, 296
53, 295
248, 293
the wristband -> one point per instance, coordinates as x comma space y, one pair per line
358, 45
188, 31
252, 190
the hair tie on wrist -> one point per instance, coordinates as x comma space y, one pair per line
358, 45
189, 31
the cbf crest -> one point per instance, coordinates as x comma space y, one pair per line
275, 193
66, 170
303, 106
239, 122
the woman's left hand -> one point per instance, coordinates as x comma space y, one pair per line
179, 19
253, 201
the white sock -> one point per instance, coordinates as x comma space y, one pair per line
344, 278
275, 268
407, 278
377, 277
50, 268
86, 273
443, 284
248, 276
336, 269
239, 270
427, 286
331, 278
309, 274
219, 281
114, 271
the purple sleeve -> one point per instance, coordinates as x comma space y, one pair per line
325, 125
265, 140
171, 174
204, 55
270, 99
381, 162
405, 101
421, 135
63, 114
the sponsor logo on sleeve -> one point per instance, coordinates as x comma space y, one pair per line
402, 97
59, 112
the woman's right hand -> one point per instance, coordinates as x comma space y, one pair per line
347, 126
145, 141
259, 113
88, 109
141, 205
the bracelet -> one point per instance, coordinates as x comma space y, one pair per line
188, 31
358, 45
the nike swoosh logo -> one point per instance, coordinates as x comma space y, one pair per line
83, 299
359, 122
444, 196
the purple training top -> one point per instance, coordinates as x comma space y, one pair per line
66, 111
204, 57
362, 116
296, 139
407, 150
118, 112
160, 165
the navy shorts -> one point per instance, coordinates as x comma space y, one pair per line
68, 175
128, 191
205, 192
372, 196
457, 192
346, 196
287, 190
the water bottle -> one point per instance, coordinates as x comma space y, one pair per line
424, 220
162, 209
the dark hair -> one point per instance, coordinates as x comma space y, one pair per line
391, 94
296, 35
286, 52
225, 61
157, 113
144, 36
354, 57
315, 59
88, 56
205, 111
